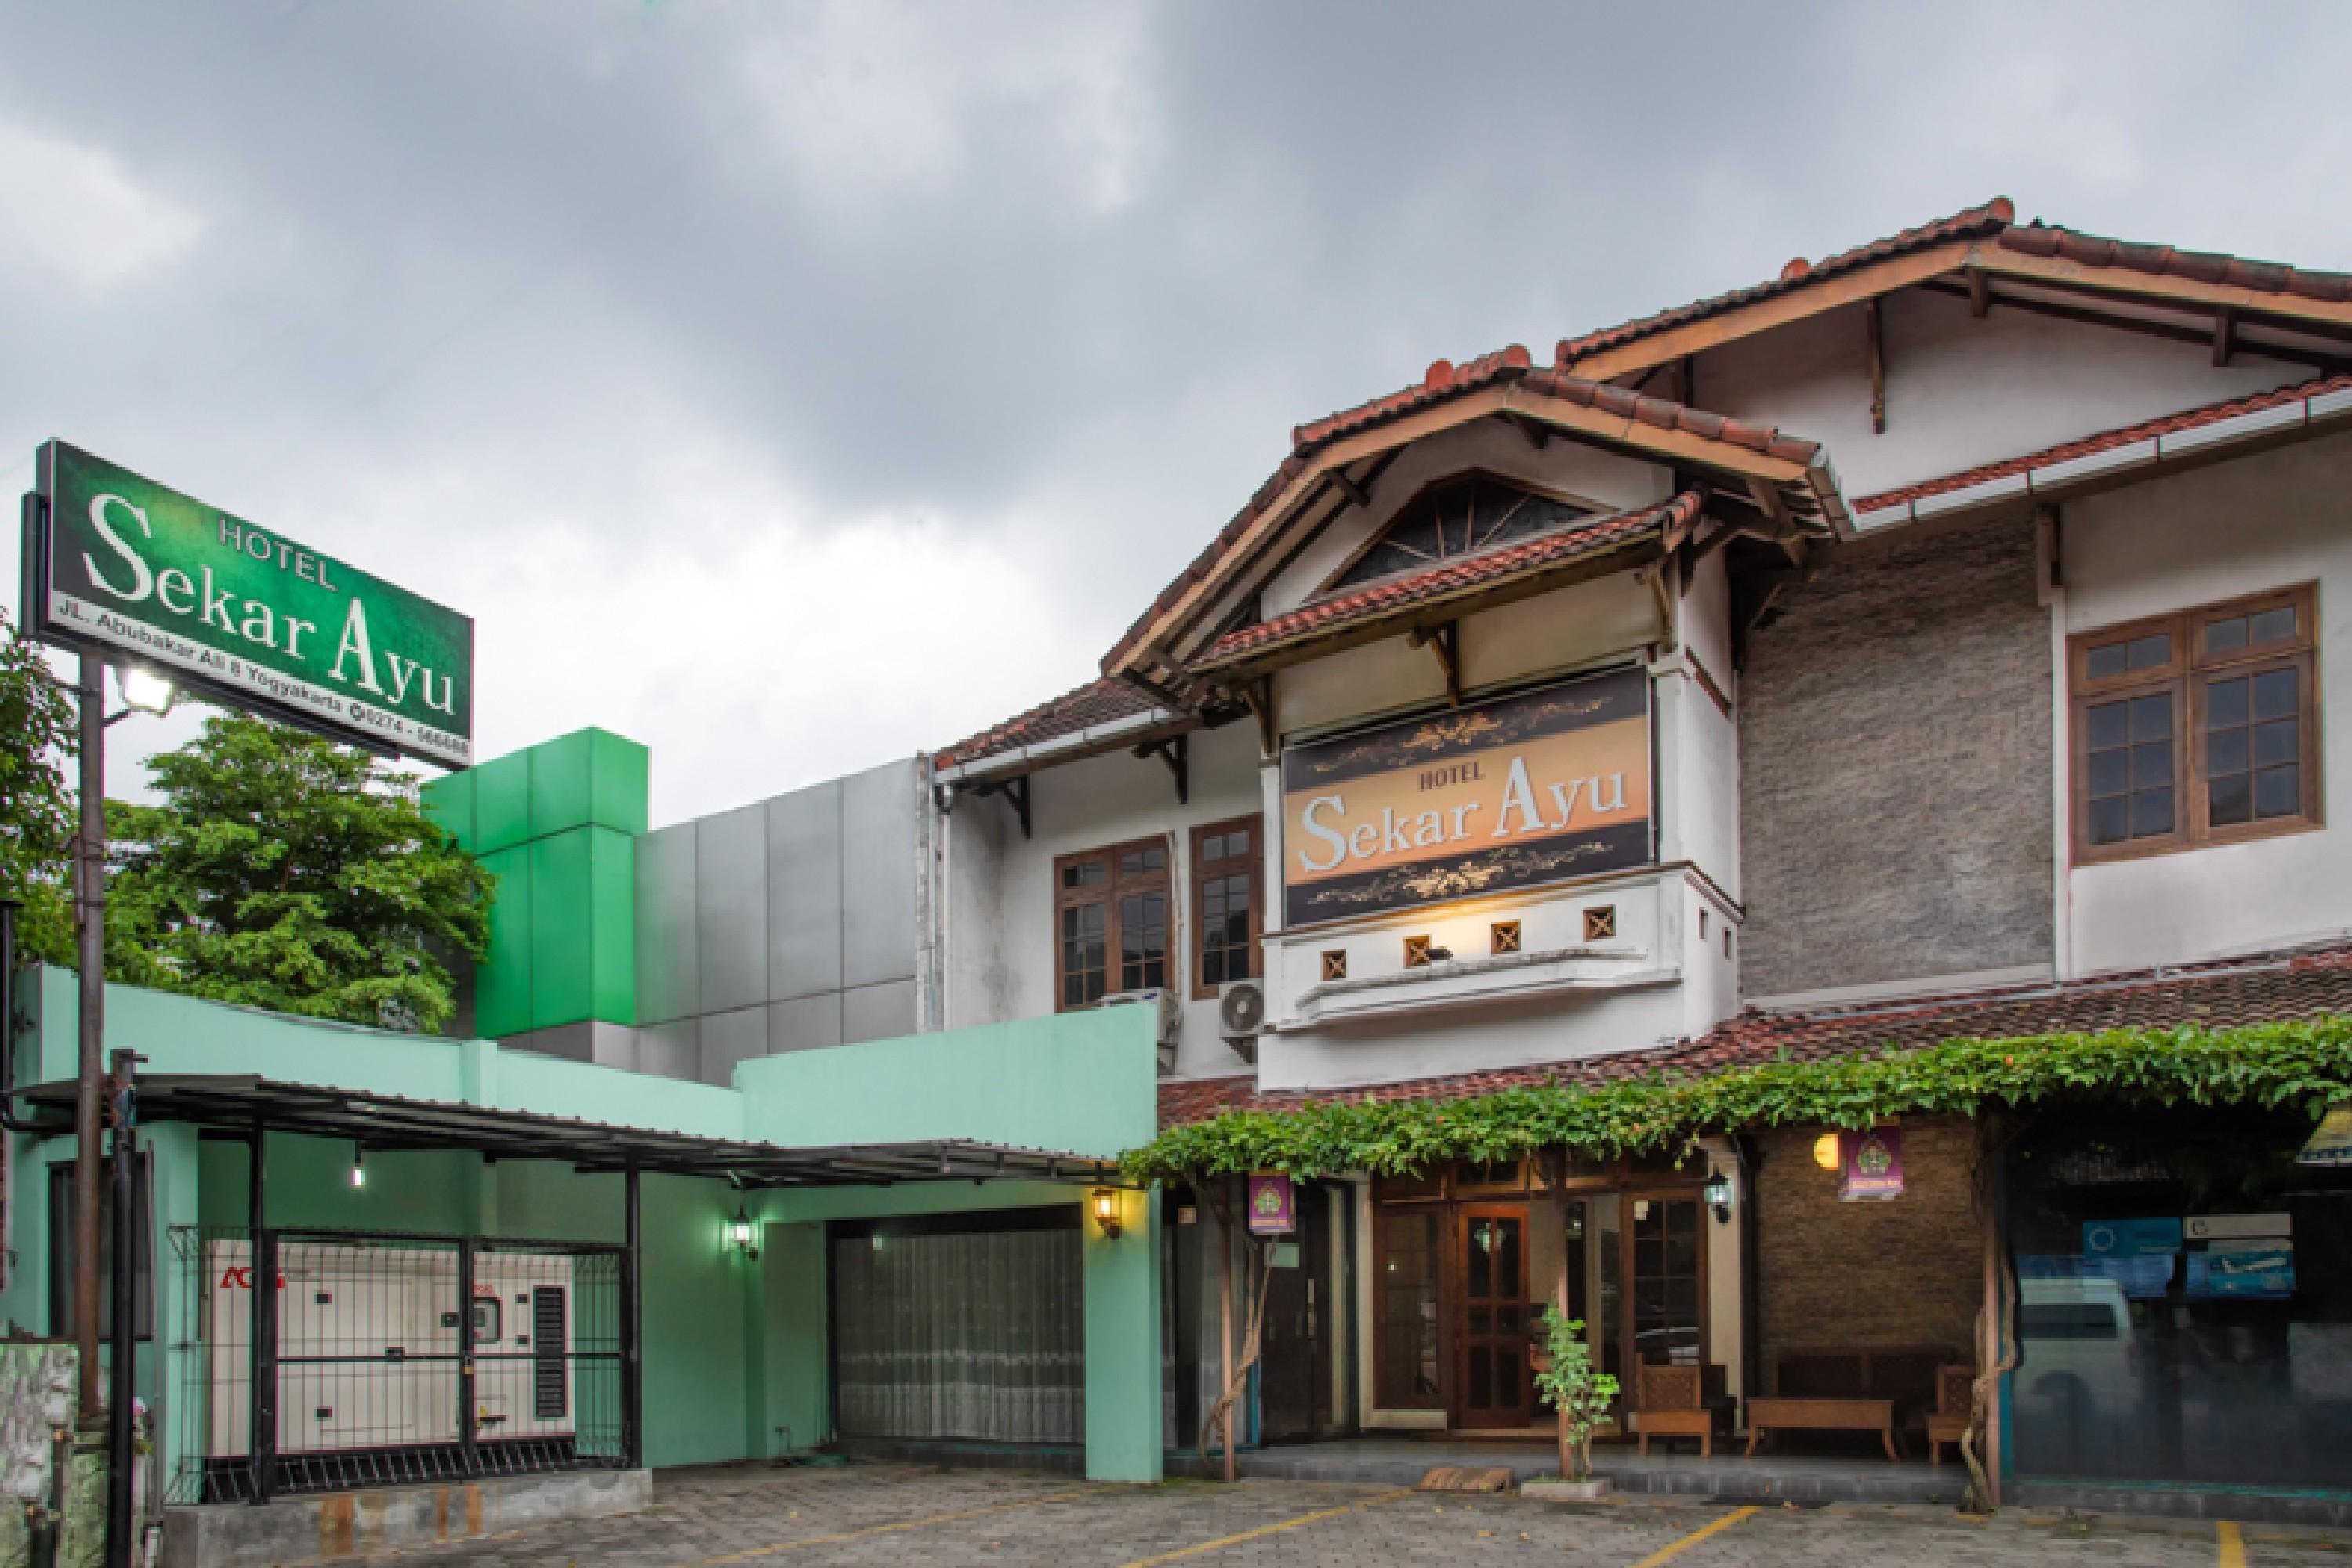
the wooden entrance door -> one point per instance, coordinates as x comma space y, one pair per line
1665, 1266
1490, 1323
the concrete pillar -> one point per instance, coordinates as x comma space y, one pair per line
1124, 1390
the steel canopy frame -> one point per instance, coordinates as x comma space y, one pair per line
382, 1122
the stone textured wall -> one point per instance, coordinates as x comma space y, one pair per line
1894, 769
1899, 1273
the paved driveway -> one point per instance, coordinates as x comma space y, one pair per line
871, 1514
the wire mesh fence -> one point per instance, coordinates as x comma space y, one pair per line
385, 1359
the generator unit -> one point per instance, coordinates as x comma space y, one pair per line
367, 1347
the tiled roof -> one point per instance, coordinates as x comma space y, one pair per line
2280, 987
2163, 260
1100, 701
1992, 217
1444, 382
2130, 434
1514, 559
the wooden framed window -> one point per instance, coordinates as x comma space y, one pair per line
2196, 728
1227, 860
1110, 922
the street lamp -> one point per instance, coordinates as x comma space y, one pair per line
144, 691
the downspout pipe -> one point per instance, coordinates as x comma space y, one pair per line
9, 1117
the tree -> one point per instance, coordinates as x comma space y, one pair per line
36, 804
285, 871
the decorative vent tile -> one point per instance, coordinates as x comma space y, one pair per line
1416, 952
1506, 936
1335, 963
1600, 924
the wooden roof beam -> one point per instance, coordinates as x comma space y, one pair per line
1445, 642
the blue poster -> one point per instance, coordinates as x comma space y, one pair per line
2130, 1238
2243, 1269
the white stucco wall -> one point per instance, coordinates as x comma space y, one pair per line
1963, 391
2259, 522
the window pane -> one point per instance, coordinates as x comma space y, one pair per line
2153, 651
2151, 813
2100, 663
2109, 725
2110, 820
1087, 874
1237, 841
2110, 773
2225, 702
2151, 717
2275, 694
2220, 636
2152, 764
2225, 753
2277, 791
2273, 625
2230, 799
1213, 847
2275, 743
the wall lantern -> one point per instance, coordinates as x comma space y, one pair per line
742, 1233
1825, 1151
1106, 1210
1717, 1193
359, 1171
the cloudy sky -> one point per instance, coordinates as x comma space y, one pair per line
792, 387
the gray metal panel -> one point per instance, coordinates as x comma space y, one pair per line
879, 837
805, 1023
671, 1050
730, 909
667, 983
612, 1046
570, 1041
884, 1012
729, 1038
804, 892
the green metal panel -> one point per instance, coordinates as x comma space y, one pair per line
562, 954
620, 782
588, 778
502, 803
449, 801
503, 984
582, 928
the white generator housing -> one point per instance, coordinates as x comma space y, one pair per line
367, 1346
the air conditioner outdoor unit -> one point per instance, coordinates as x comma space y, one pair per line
1241, 1014
1170, 1017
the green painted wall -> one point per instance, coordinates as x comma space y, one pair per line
733, 1349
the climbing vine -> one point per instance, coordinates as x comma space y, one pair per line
2308, 1064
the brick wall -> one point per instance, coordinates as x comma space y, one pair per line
1894, 769
1904, 1272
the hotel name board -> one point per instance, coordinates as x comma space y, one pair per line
134, 571
1527, 789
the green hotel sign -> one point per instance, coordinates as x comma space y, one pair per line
124, 567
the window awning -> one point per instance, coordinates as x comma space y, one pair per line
384, 1123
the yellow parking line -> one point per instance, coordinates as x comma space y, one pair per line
2233, 1546
1675, 1548
1224, 1540
887, 1529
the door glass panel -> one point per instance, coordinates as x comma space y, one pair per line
1480, 1321
1480, 1259
1506, 1261
1666, 1298
1481, 1379
1404, 1369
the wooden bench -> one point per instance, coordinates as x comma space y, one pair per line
1823, 1416
1955, 1393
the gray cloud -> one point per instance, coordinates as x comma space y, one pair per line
795, 388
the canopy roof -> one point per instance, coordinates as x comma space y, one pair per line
375, 1122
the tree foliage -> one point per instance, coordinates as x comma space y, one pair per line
284, 871
37, 742
2308, 1064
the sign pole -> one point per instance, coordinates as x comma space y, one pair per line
89, 893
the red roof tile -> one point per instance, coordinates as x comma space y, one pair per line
2280, 987
2163, 260
1381, 599
1989, 219
2169, 425
1096, 702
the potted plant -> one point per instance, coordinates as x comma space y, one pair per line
1568, 1382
